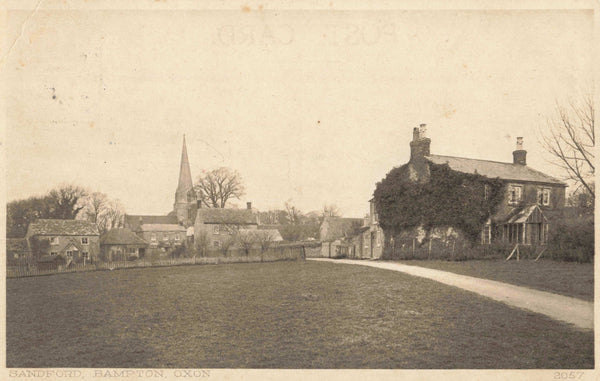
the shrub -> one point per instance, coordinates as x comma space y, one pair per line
572, 240
178, 251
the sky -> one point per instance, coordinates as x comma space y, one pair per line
311, 107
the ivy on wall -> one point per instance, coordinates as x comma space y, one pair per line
448, 198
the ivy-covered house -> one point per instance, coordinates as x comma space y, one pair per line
479, 200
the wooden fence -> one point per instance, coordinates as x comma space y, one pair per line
276, 253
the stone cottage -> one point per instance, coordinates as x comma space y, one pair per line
74, 241
220, 225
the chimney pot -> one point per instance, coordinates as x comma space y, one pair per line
520, 155
419, 147
519, 143
249, 205
423, 130
416, 134
198, 204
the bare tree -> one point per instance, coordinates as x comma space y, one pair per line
112, 216
570, 140
264, 238
66, 201
246, 240
330, 210
293, 214
201, 242
226, 244
216, 187
94, 205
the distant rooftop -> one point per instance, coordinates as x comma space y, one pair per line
135, 221
226, 216
62, 227
121, 236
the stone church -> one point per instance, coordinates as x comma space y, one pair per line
175, 228
185, 206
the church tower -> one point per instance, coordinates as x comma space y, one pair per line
185, 197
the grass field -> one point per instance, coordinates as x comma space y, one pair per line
565, 278
275, 315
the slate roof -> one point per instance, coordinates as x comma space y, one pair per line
133, 221
17, 245
62, 227
162, 228
226, 216
121, 236
493, 169
338, 227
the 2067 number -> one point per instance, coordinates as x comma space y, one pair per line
573, 375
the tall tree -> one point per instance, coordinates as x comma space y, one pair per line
20, 213
293, 214
112, 216
570, 139
330, 210
218, 186
66, 201
94, 205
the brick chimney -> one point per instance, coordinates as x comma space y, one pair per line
420, 144
198, 204
249, 205
520, 155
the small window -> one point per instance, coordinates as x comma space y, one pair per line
85, 255
153, 238
514, 194
69, 254
54, 241
84, 240
216, 229
217, 244
54, 253
486, 234
546, 196
177, 237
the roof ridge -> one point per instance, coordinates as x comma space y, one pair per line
468, 158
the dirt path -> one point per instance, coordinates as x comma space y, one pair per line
563, 308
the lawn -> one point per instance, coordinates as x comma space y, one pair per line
275, 315
565, 278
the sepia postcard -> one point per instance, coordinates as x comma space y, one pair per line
298, 190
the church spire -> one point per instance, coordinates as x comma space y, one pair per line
185, 177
